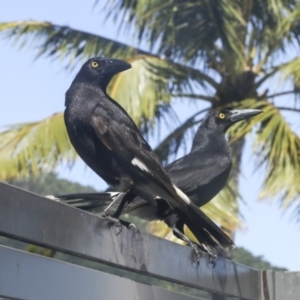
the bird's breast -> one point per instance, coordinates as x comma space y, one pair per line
90, 148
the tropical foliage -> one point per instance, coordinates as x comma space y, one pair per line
221, 52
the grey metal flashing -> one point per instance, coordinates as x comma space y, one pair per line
32, 218
28, 276
279, 285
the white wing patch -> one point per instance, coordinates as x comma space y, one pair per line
52, 198
113, 194
181, 194
136, 162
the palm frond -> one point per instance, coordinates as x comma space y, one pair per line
141, 92
184, 78
291, 71
227, 35
272, 29
28, 149
277, 151
61, 42
186, 30
146, 90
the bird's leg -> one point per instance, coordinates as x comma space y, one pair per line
129, 196
174, 222
212, 257
108, 208
194, 246
105, 215
116, 221
127, 199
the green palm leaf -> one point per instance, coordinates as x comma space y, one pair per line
169, 23
291, 70
145, 95
277, 149
63, 42
31, 148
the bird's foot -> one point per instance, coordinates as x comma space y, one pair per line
132, 227
213, 258
117, 222
195, 247
129, 225
197, 253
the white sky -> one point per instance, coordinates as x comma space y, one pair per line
31, 90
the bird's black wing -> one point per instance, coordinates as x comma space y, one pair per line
132, 152
136, 203
194, 170
190, 172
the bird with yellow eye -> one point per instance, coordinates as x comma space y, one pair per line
94, 64
222, 115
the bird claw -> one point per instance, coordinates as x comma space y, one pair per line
213, 259
132, 227
120, 228
115, 221
103, 215
197, 254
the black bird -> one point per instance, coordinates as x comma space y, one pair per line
109, 142
201, 174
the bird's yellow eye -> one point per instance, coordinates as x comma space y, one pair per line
94, 64
221, 116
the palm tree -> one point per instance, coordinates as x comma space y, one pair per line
221, 52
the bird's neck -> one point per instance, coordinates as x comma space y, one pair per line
212, 140
100, 82
78, 91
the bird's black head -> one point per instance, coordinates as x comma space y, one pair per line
100, 70
225, 118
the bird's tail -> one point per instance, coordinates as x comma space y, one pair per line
86, 201
206, 231
203, 228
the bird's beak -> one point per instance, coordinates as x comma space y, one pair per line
114, 66
243, 114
